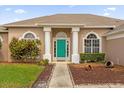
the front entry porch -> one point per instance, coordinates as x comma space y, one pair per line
62, 44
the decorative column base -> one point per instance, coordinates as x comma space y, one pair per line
47, 56
75, 58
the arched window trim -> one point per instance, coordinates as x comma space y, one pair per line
98, 37
92, 33
61, 33
1, 38
23, 36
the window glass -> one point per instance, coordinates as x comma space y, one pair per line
29, 36
54, 48
91, 44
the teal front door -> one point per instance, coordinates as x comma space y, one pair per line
61, 48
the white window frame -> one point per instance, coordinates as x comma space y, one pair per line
98, 37
23, 36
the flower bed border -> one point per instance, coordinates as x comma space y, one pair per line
46, 70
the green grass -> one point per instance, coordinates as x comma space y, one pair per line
18, 75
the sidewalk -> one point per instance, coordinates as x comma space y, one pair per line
100, 86
60, 77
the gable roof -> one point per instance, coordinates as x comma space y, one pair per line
84, 19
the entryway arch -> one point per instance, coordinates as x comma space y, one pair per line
61, 47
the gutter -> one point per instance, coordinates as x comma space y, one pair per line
53, 24
3, 29
114, 32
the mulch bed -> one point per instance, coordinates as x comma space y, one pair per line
43, 79
97, 75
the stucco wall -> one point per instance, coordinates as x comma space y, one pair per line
81, 34
100, 33
18, 32
115, 50
4, 49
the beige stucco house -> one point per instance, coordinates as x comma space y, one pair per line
64, 36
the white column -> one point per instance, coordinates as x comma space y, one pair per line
75, 54
47, 54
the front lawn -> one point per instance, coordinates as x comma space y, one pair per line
18, 75
81, 74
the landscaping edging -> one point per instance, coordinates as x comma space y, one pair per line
71, 76
43, 79
51, 75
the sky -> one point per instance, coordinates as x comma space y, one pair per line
12, 13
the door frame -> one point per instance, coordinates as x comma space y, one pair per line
66, 58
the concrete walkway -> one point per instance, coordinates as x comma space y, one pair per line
60, 77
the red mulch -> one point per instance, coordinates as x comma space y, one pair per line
98, 75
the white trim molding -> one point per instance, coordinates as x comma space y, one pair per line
99, 37
65, 58
27, 33
61, 24
112, 26
115, 36
75, 29
60, 36
47, 29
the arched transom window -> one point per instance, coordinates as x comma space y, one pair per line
61, 35
29, 35
92, 44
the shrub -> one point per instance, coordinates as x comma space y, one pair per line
24, 50
44, 62
0, 44
92, 57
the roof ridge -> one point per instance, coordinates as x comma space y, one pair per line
90, 19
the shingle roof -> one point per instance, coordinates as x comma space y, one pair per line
86, 19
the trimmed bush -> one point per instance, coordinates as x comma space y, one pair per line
44, 62
0, 44
24, 50
92, 57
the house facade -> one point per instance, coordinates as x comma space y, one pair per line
65, 36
